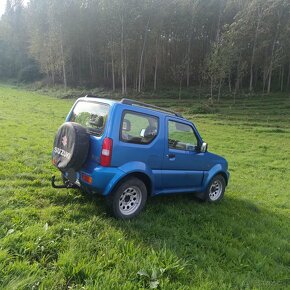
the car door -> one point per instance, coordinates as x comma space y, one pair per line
182, 162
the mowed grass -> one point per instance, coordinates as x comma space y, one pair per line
62, 239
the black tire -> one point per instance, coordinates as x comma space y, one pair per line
215, 190
71, 147
128, 199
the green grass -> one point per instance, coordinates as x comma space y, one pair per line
60, 239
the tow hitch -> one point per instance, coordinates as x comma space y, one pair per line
66, 184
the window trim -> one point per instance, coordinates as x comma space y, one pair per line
140, 114
194, 132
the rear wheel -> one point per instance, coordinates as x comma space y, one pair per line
128, 199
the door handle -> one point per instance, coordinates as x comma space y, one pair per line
170, 156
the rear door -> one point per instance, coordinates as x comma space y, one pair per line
182, 162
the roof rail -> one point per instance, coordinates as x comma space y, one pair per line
137, 103
91, 96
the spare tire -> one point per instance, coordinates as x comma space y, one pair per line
71, 146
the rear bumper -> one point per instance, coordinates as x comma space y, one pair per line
102, 179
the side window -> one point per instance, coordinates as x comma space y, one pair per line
138, 128
181, 136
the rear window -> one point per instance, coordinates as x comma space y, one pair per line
91, 115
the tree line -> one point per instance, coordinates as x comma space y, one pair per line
132, 44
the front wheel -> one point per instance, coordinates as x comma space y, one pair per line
215, 190
128, 199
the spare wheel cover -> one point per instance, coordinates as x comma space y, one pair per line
71, 146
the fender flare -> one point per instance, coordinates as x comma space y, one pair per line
126, 170
217, 169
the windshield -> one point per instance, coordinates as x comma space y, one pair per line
91, 115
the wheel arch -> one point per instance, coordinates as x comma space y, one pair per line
140, 175
224, 175
218, 169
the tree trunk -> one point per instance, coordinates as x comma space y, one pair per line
63, 66
219, 23
91, 62
219, 93
122, 55
107, 69
136, 82
282, 78
79, 66
265, 75
271, 68
113, 68
137, 76
180, 84
253, 53
72, 75
50, 68
230, 82
211, 87
255, 78
237, 86
141, 56
270, 76
272, 57
155, 72
288, 78
143, 84
52, 78
188, 62
105, 64
156, 65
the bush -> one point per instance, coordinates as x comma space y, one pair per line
207, 107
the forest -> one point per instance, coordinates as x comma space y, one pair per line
139, 45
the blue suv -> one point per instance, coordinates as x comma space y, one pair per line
127, 150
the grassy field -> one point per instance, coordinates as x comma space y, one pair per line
61, 239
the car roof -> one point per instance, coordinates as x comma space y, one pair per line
97, 99
136, 104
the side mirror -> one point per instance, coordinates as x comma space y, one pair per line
203, 147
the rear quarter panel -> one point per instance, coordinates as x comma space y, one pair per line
130, 157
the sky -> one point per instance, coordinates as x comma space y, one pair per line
3, 5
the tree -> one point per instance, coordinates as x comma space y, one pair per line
136, 44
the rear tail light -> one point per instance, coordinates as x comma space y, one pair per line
106, 154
